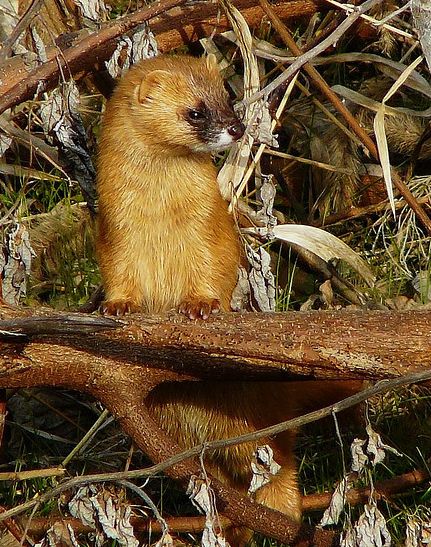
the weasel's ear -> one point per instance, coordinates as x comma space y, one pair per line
151, 82
212, 63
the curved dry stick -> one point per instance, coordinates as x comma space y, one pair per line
381, 490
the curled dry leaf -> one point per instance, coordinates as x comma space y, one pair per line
93, 11
100, 508
119, 62
418, 533
348, 537
376, 447
263, 467
62, 123
142, 45
15, 263
5, 143
359, 458
338, 501
266, 195
203, 498
59, 535
261, 278
39, 46
241, 292
371, 529
375, 451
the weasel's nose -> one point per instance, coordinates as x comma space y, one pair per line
236, 130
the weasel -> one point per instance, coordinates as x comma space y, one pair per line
166, 241
165, 237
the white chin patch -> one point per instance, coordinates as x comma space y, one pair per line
223, 141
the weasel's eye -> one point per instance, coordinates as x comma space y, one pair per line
196, 115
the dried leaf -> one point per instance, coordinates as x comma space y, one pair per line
15, 262
39, 46
63, 126
5, 143
382, 146
359, 458
8, 18
263, 468
376, 448
81, 506
59, 535
202, 497
93, 11
348, 537
266, 195
327, 293
380, 134
372, 104
121, 53
418, 533
338, 501
421, 11
261, 278
324, 245
241, 292
142, 45
98, 507
413, 533
371, 529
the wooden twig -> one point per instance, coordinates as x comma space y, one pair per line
320, 83
358, 212
37, 527
59, 324
31, 474
381, 490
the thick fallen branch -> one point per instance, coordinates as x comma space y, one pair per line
120, 366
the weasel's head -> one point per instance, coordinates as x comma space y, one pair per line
184, 104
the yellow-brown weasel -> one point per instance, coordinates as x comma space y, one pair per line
166, 241
165, 236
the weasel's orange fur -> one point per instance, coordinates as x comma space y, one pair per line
165, 236
166, 240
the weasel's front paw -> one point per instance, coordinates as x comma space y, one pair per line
199, 308
118, 307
